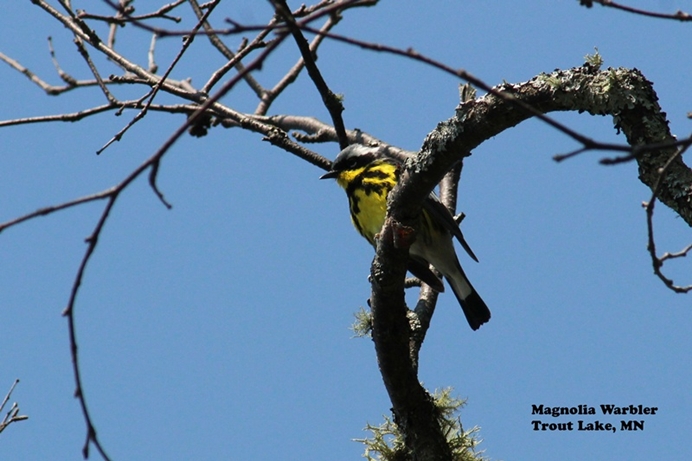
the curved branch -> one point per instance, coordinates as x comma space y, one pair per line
678, 15
651, 246
622, 93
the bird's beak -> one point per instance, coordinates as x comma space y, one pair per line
330, 174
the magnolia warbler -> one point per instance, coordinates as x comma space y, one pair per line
368, 175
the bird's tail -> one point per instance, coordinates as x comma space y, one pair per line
475, 310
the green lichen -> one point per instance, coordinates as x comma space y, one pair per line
595, 60
387, 443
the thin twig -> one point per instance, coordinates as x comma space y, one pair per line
329, 99
152, 67
503, 91
680, 254
678, 15
8, 395
64, 76
111, 195
308, 15
235, 62
122, 19
12, 415
75, 116
52, 209
49, 89
83, 52
54, 90
233, 59
91, 241
81, 30
657, 262
290, 76
154, 91
273, 135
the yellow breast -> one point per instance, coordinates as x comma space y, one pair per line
368, 212
367, 189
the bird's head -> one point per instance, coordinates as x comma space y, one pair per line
353, 157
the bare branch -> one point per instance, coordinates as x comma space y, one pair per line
427, 299
73, 84
83, 52
624, 94
111, 195
308, 14
680, 254
12, 416
398, 333
234, 61
91, 437
152, 66
49, 89
64, 76
52, 209
678, 15
657, 262
82, 31
423, 313
464, 75
412, 407
293, 73
75, 116
152, 94
123, 16
330, 100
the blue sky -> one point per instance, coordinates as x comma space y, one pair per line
220, 329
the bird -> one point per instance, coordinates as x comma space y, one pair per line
368, 175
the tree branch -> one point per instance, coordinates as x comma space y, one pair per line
413, 408
12, 416
678, 15
234, 60
624, 94
329, 99
621, 93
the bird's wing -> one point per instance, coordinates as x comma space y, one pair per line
439, 211
441, 214
421, 269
